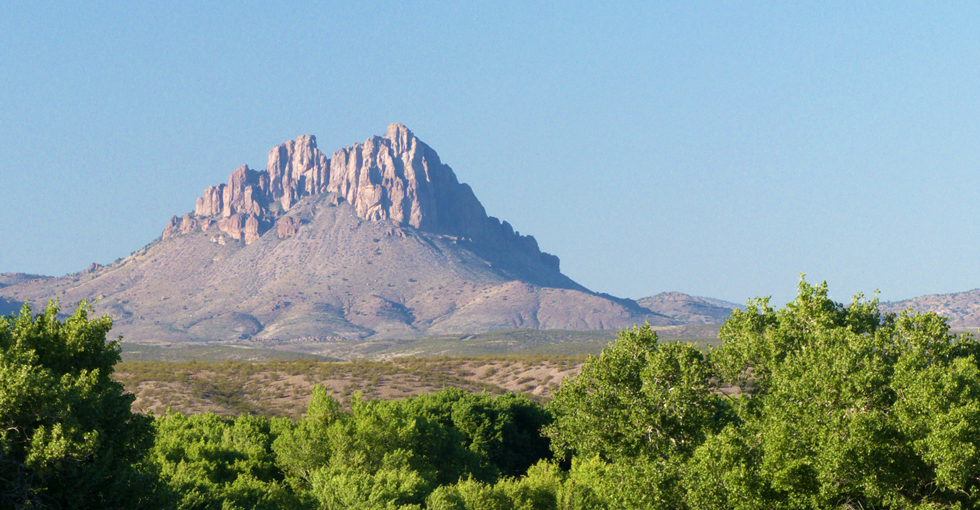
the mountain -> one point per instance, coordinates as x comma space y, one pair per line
8, 279
962, 308
396, 177
9, 305
689, 309
378, 241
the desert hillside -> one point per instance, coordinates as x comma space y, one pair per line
962, 308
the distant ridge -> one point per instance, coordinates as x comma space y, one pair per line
720, 302
8, 279
10, 305
962, 308
689, 309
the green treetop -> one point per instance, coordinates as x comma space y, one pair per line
67, 436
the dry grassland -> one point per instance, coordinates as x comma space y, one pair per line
283, 388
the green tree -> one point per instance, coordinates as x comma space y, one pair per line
542, 488
377, 450
395, 453
843, 406
208, 462
67, 436
638, 399
394, 485
840, 406
758, 339
503, 430
632, 418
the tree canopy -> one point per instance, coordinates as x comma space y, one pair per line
818, 405
67, 436
837, 406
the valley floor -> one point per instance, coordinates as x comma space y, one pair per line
283, 387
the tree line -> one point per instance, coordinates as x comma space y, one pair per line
815, 405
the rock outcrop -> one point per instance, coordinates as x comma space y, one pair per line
394, 177
286, 227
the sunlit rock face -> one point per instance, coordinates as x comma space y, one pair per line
393, 177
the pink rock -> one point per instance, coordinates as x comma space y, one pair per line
286, 227
393, 177
251, 229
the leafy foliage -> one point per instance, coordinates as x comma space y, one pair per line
816, 405
638, 399
208, 462
838, 406
409, 447
844, 406
67, 436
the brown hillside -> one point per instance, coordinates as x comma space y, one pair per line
962, 308
688, 309
283, 388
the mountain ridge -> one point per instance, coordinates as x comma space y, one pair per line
393, 177
962, 308
378, 243
688, 309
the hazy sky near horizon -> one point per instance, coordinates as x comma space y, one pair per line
713, 148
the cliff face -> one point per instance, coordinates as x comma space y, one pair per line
393, 177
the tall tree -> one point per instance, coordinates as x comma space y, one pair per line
844, 407
67, 436
638, 399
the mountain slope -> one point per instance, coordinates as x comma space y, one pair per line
689, 309
382, 242
962, 308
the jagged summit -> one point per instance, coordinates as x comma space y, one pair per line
393, 177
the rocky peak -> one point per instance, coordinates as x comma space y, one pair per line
401, 137
393, 177
297, 169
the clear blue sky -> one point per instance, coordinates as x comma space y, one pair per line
716, 149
